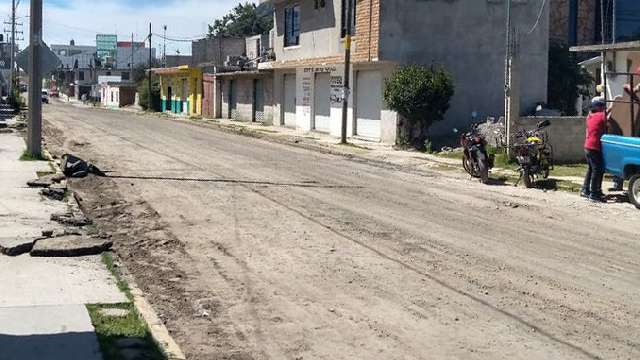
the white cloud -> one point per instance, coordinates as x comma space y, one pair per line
81, 20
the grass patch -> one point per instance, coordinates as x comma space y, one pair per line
27, 156
112, 331
577, 170
107, 259
457, 155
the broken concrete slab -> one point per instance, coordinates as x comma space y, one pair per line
54, 193
71, 219
70, 246
46, 181
16, 246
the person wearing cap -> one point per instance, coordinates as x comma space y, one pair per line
596, 127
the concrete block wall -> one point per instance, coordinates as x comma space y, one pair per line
566, 135
559, 21
244, 87
216, 50
467, 37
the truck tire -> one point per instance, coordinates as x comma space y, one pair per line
634, 190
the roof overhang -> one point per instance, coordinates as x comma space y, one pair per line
593, 61
252, 73
179, 70
623, 46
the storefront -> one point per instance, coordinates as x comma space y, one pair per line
181, 90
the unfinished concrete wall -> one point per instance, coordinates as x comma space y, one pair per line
566, 135
319, 31
214, 51
468, 38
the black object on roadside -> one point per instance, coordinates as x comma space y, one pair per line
75, 167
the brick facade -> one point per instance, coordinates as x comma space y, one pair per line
586, 21
367, 38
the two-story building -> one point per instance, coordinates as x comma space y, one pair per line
467, 37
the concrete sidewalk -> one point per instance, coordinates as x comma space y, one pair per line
42, 300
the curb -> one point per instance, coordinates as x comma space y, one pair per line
158, 331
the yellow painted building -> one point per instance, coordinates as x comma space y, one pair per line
181, 90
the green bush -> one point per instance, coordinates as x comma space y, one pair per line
143, 92
421, 95
567, 79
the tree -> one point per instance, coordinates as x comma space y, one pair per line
567, 79
421, 95
139, 72
143, 93
244, 20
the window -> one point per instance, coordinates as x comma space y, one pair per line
111, 95
81, 75
125, 75
292, 26
319, 4
343, 18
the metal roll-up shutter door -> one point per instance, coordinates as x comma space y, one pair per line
290, 100
322, 106
368, 104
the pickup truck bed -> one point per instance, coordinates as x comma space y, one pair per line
622, 159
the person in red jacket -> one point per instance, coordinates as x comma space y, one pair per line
596, 127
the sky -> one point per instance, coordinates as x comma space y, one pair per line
81, 20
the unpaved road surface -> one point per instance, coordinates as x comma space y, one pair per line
255, 250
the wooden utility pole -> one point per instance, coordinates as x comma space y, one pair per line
347, 71
34, 132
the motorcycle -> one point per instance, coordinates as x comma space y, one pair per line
534, 154
476, 160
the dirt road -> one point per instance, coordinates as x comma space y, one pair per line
255, 250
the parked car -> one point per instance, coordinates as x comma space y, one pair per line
45, 96
622, 159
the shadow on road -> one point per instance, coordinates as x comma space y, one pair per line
72, 345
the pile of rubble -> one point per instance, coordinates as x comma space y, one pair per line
76, 237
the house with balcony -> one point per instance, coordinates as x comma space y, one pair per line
467, 37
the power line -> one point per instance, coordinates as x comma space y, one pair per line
540, 13
199, 37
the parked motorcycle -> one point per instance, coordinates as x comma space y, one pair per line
534, 154
476, 161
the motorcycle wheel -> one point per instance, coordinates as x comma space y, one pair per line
527, 179
467, 164
483, 168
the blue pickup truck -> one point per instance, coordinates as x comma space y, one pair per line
622, 159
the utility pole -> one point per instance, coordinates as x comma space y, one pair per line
12, 33
34, 133
131, 63
13, 47
507, 72
347, 71
150, 66
164, 51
